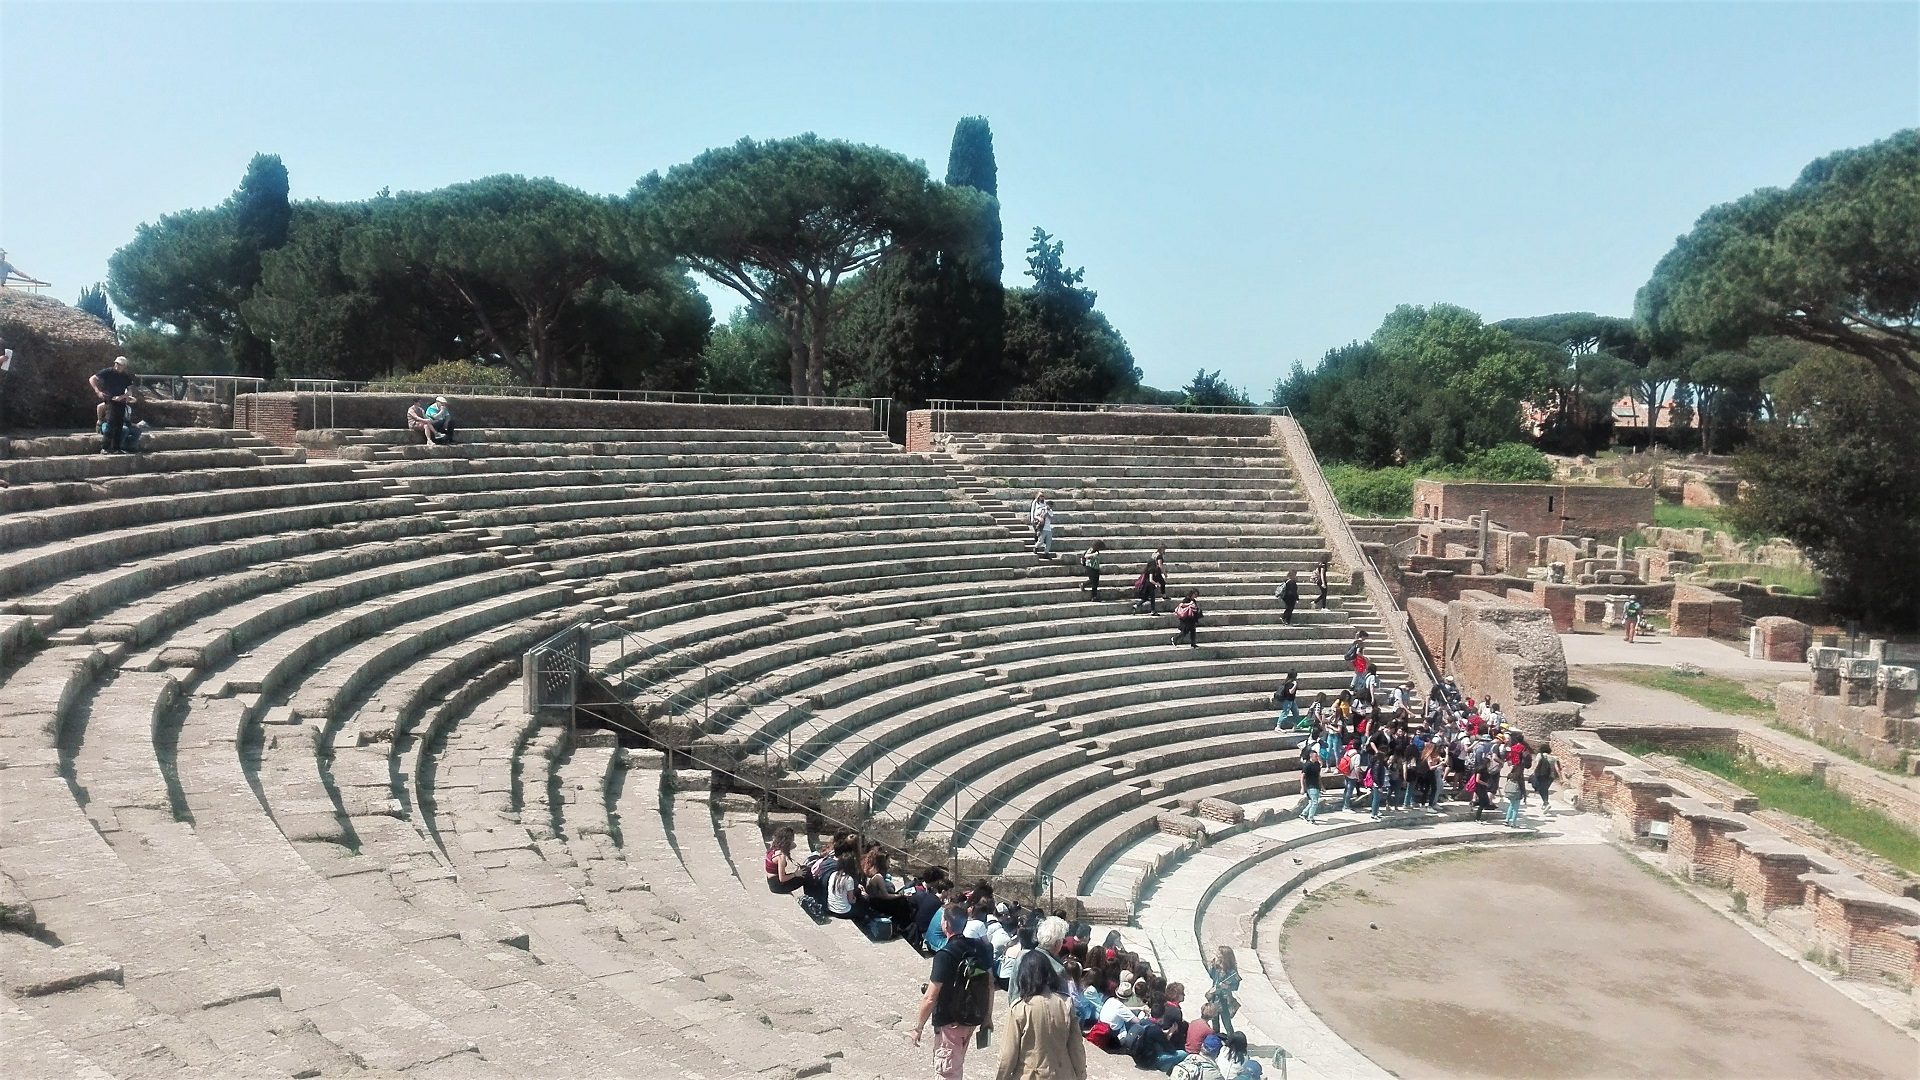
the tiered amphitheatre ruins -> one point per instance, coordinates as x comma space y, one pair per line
323, 752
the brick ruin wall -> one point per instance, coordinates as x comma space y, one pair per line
1864, 932
280, 417
1539, 509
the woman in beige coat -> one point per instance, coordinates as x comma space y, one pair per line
1041, 1039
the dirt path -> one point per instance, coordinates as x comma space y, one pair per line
1570, 961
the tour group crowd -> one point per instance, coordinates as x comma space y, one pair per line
1378, 749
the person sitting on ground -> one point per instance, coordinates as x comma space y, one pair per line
417, 419
843, 891
1042, 1040
881, 897
1201, 1064
784, 875
440, 415
928, 894
1188, 614
1201, 1026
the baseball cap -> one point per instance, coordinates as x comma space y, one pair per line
118, 360
1211, 1044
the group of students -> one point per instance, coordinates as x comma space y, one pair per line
1390, 753
1063, 992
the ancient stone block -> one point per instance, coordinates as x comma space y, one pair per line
1780, 639
1857, 679
1899, 690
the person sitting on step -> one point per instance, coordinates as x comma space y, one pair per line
784, 874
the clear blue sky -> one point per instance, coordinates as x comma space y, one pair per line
1246, 184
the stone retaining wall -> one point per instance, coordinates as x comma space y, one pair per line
279, 417
1113, 421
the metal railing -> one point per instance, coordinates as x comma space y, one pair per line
879, 410
940, 407
685, 692
212, 389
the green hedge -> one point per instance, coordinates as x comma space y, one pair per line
1388, 492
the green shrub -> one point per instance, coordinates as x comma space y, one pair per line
1372, 492
449, 373
1508, 463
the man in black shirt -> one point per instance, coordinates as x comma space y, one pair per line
1289, 595
114, 386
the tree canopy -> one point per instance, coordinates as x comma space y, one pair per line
188, 273
1833, 260
1433, 382
785, 221
1839, 480
931, 322
1059, 347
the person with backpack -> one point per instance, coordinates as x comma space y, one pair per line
1546, 770
1090, 562
1519, 763
1188, 614
1151, 584
1289, 596
1287, 697
1352, 771
1356, 658
958, 998
1042, 1040
1631, 616
1203, 1065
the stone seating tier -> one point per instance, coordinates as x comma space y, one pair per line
329, 734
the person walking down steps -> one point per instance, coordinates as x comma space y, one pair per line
1043, 528
1289, 596
1151, 584
1090, 562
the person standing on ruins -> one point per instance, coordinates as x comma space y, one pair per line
1289, 596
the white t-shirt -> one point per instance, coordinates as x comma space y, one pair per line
1114, 1014
840, 888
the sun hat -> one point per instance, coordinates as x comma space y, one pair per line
439, 401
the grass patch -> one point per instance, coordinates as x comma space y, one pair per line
1806, 797
1670, 516
1792, 579
1711, 691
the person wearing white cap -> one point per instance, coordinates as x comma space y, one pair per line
440, 415
114, 387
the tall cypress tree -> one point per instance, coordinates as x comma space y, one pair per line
933, 322
262, 219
